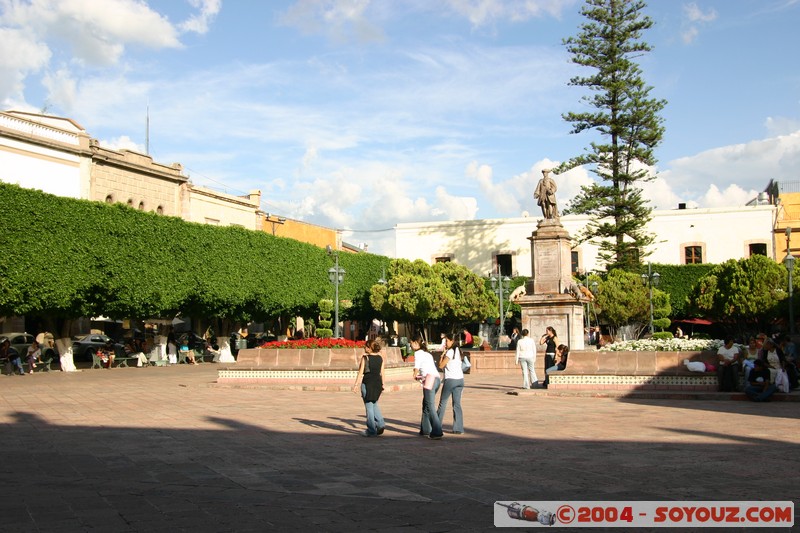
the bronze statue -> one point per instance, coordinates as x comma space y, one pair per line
545, 195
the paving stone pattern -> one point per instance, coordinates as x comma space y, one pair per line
164, 449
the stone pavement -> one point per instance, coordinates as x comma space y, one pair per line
163, 449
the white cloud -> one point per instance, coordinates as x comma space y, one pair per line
731, 195
341, 20
749, 165
659, 193
76, 34
62, 88
782, 125
693, 13
123, 143
96, 30
514, 196
689, 35
455, 207
481, 12
199, 23
693, 18
20, 55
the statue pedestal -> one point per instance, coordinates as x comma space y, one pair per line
548, 301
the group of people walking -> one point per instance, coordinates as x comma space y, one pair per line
369, 383
526, 357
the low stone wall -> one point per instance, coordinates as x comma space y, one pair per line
312, 369
500, 362
635, 371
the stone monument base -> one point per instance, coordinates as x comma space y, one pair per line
560, 311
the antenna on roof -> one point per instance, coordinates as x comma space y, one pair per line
147, 132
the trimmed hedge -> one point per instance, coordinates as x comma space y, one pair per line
69, 258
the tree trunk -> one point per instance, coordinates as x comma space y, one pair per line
224, 341
63, 341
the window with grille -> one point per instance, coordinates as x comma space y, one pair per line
693, 255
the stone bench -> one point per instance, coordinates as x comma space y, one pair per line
649, 371
311, 369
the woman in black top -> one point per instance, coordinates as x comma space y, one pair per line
369, 383
550, 340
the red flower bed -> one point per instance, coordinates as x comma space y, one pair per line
311, 343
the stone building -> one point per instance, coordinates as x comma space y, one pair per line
56, 155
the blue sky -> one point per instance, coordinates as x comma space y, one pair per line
361, 114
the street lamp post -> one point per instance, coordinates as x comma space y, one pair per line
500, 287
336, 276
593, 288
788, 261
651, 279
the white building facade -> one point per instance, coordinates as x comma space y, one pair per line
710, 235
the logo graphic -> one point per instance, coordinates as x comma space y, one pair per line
518, 511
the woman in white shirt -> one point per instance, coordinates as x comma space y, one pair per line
425, 371
453, 383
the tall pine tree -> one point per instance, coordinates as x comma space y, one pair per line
629, 122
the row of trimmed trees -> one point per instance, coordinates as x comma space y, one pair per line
64, 259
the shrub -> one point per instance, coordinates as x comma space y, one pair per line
664, 345
662, 335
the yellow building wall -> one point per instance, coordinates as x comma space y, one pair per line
788, 217
302, 231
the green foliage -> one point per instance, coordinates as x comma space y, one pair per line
662, 324
416, 292
362, 272
662, 334
622, 299
325, 307
744, 293
412, 293
627, 118
677, 281
69, 258
472, 301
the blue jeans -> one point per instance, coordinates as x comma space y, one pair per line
15, 363
454, 387
374, 417
529, 378
757, 394
554, 368
430, 423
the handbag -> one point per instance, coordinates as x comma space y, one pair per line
366, 365
429, 381
465, 364
782, 381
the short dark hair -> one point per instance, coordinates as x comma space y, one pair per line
525, 332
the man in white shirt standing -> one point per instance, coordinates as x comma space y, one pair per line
526, 358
